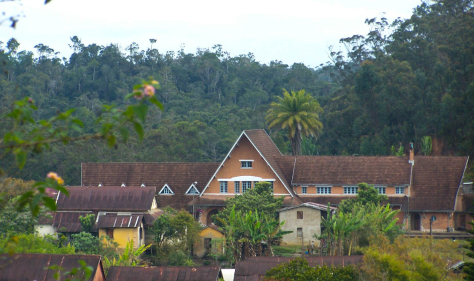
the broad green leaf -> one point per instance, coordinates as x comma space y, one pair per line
139, 130
140, 111
125, 133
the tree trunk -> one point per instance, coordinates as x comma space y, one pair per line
296, 143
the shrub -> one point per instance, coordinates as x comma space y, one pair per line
179, 258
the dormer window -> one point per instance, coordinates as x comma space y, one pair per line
246, 164
166, 190
123, 185
100, 185
192, 190
143, 185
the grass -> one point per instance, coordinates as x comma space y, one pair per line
286, 251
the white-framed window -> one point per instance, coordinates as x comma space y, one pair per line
351, 189
323, 190
192, 190
381, 190
246, 164
237, 186
399, 190
166, 190
223, 186
246, 185
304, 190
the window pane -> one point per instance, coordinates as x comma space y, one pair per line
299, 215
246, 185
304, 189
299, 232
237, 187
223, 187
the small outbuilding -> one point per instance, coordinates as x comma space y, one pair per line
211, 241
305, 222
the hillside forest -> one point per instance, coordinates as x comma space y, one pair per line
401, 81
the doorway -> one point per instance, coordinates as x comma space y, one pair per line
416, 222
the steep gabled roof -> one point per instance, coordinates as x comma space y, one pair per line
179, 176
118, 199
21, 267
349, 170
436, 180
266, 148
163, 273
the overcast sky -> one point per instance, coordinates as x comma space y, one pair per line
290, 31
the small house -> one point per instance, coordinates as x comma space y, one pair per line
304, 221
121, 213
211, 241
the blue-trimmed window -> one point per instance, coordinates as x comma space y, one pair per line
236, 186
223, 187
351, 189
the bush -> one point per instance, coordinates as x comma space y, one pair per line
299, 269
30, 243
206, 263
179, 258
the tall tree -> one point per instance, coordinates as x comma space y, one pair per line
297, 112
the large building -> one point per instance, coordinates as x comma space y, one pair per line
422, 187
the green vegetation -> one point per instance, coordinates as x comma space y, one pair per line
402, 81
249, 222
299, 270
175, 234
260, 199
297, 112
87, 222
357, 221
129, 257
30, 243
410, 259
286, 251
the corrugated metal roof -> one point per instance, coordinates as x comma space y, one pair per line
163, 273
28, 267
118, 199
65, 221
312, 205
119, 221
254, 269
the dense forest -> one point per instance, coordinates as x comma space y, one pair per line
403, 80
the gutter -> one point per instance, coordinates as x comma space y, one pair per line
460, 183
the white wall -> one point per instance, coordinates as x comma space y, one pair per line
311, 224
45, 229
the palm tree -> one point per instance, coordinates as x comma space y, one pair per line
299, 113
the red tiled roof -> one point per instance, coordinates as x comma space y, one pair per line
286, 164
119, 199
268, 149
341, 170
254, 269
22, 267
178, 176
436, 180
163, 273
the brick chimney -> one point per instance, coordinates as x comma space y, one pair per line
412, 154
